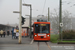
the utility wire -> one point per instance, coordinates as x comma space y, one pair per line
43, 7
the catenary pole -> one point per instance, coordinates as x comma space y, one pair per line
48, 14
60, 19
30, 20
71, 22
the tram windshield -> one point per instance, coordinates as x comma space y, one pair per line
42, 28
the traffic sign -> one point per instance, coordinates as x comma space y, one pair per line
61, 24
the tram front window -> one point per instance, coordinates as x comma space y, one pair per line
42, 28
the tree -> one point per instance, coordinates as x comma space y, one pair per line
65, 19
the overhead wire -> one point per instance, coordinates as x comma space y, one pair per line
43, 7
69, 3
28, 8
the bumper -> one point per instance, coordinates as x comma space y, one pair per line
39, 39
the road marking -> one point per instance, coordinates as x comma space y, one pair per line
32, 41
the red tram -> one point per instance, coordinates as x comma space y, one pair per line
41, 31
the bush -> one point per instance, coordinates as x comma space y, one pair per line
68, 34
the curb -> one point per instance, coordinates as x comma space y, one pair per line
66, 42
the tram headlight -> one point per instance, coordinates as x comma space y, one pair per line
48, 35
35, 35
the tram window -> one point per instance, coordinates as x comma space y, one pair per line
45, 29
37, 28
41, 29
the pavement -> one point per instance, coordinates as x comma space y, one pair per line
8, 43
9, 40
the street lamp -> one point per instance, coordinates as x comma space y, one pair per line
26, 4
30, 15
27, 15
16, 12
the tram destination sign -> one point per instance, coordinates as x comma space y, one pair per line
42, 24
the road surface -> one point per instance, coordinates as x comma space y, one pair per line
28, 44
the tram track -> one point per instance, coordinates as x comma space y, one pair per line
46, 45
38, 46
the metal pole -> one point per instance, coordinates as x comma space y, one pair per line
20, 19
48, 13
60, 20
71, 22
30, 20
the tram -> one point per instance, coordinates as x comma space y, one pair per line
41, 30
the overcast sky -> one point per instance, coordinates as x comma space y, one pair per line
8, 6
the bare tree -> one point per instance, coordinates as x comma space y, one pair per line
66, 20
55, 20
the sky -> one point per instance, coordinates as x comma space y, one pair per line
38, 8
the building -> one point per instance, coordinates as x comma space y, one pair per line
6, 27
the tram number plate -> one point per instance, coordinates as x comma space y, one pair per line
41, 34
